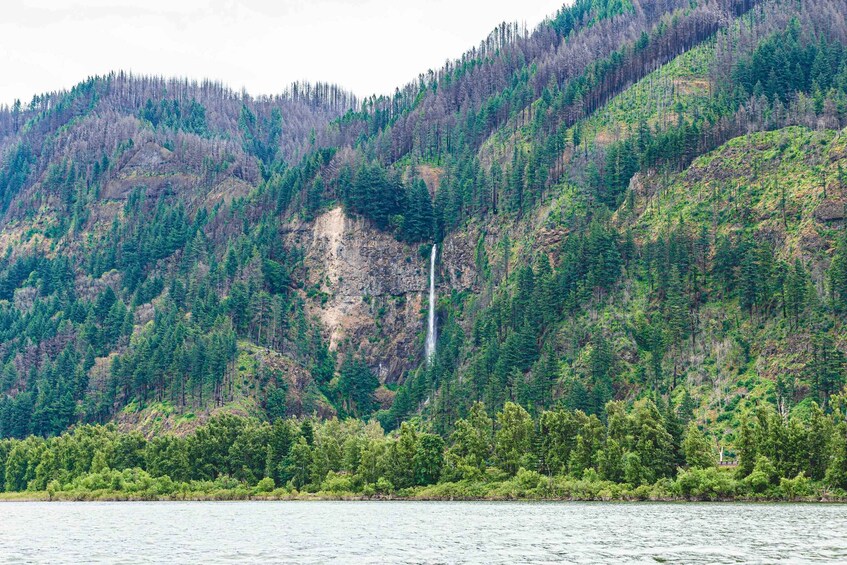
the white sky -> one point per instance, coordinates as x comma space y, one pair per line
366, 46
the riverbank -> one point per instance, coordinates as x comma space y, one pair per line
521, 488
233, 458
114, 496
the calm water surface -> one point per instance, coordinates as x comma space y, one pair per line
420, 532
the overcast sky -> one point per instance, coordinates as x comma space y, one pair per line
367, 46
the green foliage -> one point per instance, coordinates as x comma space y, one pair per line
707, 483
699, 453
14, 173
837, 274
585, 12
470, 448
782, 65
405, 209
261, 133
234, 457
190, 117
513, 439
356, 385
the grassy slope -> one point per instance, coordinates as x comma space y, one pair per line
678, 89
741, 187
155, 418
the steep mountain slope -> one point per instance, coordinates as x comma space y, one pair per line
105, 189
609, 226
612, 315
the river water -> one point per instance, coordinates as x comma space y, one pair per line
420, 532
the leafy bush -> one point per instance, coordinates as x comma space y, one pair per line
337, 483
798, 487
265, 485
704, 484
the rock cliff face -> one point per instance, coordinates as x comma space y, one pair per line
369, 291
159, 171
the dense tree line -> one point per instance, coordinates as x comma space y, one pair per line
641, 446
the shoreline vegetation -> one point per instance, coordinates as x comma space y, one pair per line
637, 452
523, 488
282, 495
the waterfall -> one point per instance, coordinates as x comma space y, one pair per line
430, 330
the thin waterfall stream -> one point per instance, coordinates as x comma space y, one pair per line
430, 330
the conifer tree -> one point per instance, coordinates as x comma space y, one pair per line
837, 275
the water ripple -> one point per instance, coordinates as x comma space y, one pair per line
420, 532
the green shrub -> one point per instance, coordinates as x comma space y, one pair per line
704, 484
266, 485
384, 486
798, 487
337, 483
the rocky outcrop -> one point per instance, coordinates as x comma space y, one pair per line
365, 287
153, 168
831, 210
369, 290
458, 261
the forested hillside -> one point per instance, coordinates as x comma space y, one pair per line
640, 203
